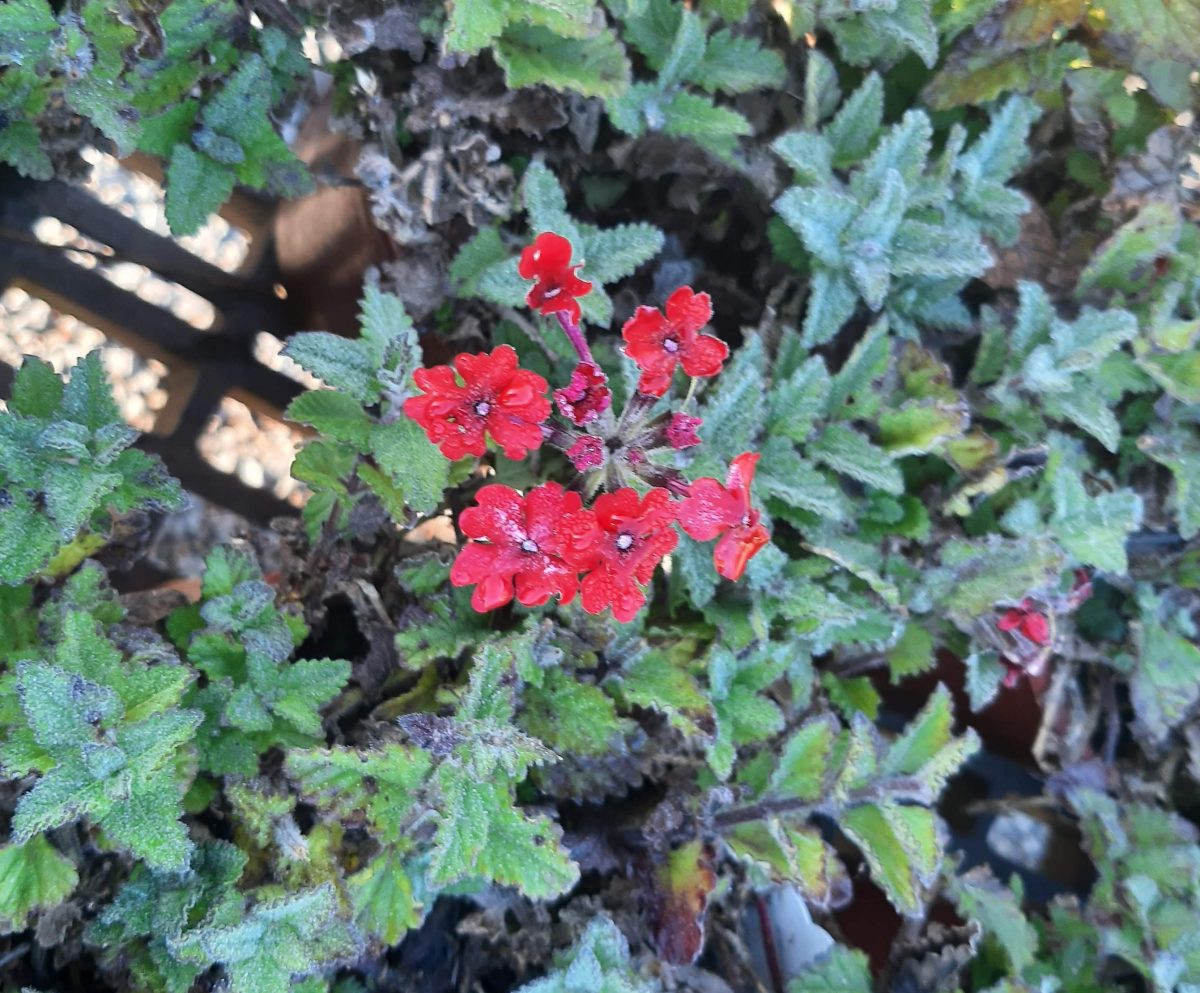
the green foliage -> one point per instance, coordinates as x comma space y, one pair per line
67, 470
599, 961
881, 795
883, 226
485, 269
143, 95
881, 31
554, 43
33, 876
252, 698
677, 46
272, 941
365, 449
103, 730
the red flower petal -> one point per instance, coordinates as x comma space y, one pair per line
548, 261
1036, 628
704, 356
495, 396
525, 542
1010, 619
688, 310
620, 547
737, 547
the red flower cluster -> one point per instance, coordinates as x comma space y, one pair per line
495, 397
547, 543
538, 545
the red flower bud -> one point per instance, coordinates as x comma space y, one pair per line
586, 397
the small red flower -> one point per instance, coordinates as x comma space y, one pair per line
494, 396
1028, 621
711, 509
681, 431
658, 343
548, 260
587, 453
619, 544
586, 396
523, 550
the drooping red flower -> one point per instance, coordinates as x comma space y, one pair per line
619, 544
1027, 620
658, 342
548, 260
586, 396
711, 509
517, 544
494, 396
587, 453
681, 431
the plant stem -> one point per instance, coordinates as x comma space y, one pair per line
575, 336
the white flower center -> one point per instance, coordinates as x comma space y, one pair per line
529, 545
483, 408
671, 345
624, 542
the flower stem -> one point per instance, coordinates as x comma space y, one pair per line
575, 336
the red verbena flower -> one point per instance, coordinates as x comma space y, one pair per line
517, 543
681, 431
711, 509
619, 543
548, 260
495, 396
586, 396
587, 453
1027, 620
658, 342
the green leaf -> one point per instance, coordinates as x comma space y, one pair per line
857, 122
717, 129
278, 938
1094, 529
197, 186
34, 876
920, 427
901, 847
337, 415
831, 303
841, 970
797, 403
1181, 455
599, 962
36, 390
572, 716
805, 763
846, 451
614, 253
736, 64
342, 363
655, 681
412, 462
1165, 686
595, 66
980, 897
686, 52
975, 577
385, 905
21, 146
912, 654
473, 25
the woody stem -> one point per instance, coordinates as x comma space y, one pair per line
575, 336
